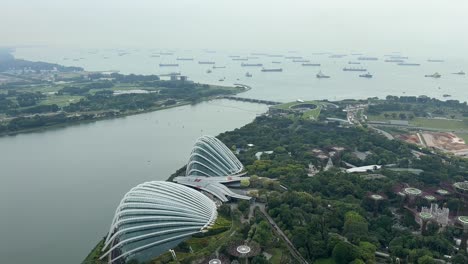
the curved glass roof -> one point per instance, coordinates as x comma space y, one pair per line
211, 158
154, 217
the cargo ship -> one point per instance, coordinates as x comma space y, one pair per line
320, 75
408, 64
219, 67
353, 62
206, 62
272, 70
460, 73
310, 64
234, 56
185, 59
368, 58
293, 57
337, 56
168, 65
394, 60
367, 75
251, 65
275, 56
276, 62
354, 69
434, 75
240, 59
398, 57
305, 61
430, 60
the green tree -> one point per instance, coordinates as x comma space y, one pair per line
344, 253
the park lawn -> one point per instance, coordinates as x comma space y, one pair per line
325, 261
61, 100
312, 114
276, 255
381, 117
440, 123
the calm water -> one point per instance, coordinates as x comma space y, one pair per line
60, 188
294, 82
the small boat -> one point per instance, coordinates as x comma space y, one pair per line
208, 71
248, 74
446, 95
272, 70
459, 73
434, 75
320, 75
367, 75
222, 79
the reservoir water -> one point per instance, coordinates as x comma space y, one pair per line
59, 188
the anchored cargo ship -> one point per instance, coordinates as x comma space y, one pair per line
185, 59
460, 73
301, 60
272, 70
293, 57
394, 60
353, 62
354, 69
368, 58
408, 64
168, 65
219, 67
206, 62
251, 65
430, 60
367, 75
310, 64
240, 59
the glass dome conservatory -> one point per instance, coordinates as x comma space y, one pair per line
211, 158
154, 217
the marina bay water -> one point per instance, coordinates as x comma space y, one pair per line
296, 81
60, 187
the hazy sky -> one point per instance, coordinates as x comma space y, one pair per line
422, 26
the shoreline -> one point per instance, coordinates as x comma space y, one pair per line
72, 123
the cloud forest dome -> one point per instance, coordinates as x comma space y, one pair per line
154, 217
211, 158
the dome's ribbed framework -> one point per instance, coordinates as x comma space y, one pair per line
154, 217
211, 158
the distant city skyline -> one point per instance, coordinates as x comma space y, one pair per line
419, 27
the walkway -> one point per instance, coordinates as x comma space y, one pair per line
294, 252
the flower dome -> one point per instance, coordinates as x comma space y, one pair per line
211, 158
154, 217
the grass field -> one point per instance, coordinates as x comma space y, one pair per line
381, 117
311, 114
446, 124
276, 255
